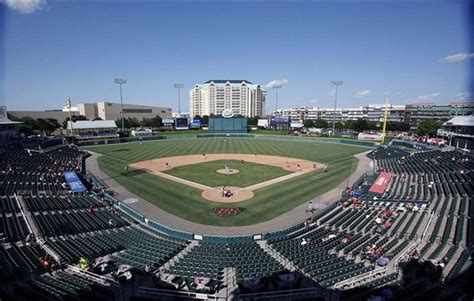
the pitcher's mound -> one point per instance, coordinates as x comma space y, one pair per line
238, 195
229, 171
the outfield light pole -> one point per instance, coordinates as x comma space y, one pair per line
335, 83
179, 86
121, 81
69, 106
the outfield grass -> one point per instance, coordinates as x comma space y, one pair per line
269, 202
249, 173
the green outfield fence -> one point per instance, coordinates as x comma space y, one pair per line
221, 135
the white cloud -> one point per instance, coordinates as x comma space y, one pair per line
458, 57
362, 93
313, 100
26, 6
466, 95
427, 97
277, 83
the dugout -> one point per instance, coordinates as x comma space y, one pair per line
219, 124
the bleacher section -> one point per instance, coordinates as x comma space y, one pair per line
361, 241
209, 260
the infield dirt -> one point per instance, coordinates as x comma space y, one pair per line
296, 166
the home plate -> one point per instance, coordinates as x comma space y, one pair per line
130, 201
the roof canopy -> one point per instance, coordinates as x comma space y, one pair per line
460, 121
3, 117
92, 124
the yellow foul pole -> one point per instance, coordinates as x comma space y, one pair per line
385, 114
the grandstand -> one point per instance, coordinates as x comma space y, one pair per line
60, 244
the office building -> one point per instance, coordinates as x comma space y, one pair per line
415, 113
111, 111
373, 113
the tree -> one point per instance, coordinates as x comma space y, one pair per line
133, 122
253, 121
320, 123
25, 129
308, 123
361, 125
118, 122
398, 126
339, 125
30, 122
349, 124
428, 127
146, 122
404, 126
53, 122
205, 119
197, 117
97, 118
129, 122
156, 122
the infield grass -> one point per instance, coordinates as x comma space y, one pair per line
268, 202
249, 173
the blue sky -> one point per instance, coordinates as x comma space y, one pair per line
412, 50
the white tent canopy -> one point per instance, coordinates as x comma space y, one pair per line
460, 121
92, 124
3, 116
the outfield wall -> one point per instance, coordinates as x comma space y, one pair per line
227, 125
236, 135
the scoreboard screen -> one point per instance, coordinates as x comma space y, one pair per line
182, 123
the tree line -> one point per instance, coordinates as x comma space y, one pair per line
49, 126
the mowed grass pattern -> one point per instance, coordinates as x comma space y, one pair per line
269, 202
249, 173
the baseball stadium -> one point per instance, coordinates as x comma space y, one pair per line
235, 217
270, 150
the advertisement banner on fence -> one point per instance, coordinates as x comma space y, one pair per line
262, 123
369, 137
283, 120
296, 125
74, 182
196, 124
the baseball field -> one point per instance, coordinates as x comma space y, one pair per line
293, 175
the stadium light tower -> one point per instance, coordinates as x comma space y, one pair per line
121, 81
179, 86
69, 106
335, 83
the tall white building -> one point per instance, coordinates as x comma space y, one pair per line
240, 96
